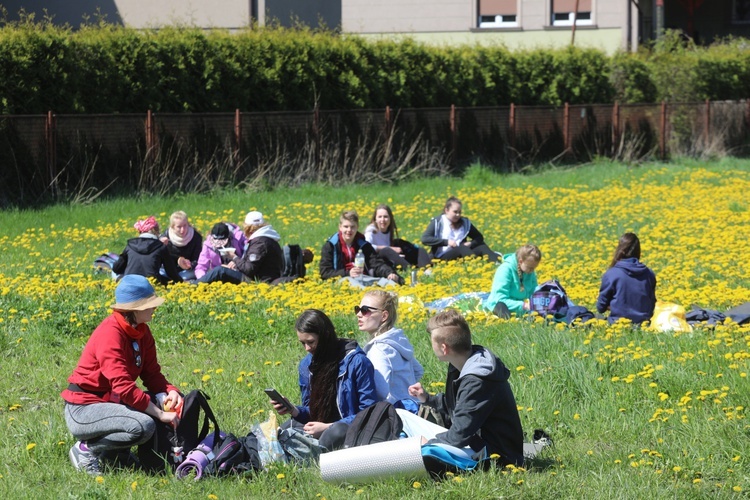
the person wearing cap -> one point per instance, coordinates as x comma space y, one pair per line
105, 410
262, 258
145, 255
183, 242
225, 242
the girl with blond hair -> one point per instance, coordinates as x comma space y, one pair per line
514, 282
389, 350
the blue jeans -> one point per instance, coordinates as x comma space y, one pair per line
223, 274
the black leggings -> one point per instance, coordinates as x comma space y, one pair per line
464, 251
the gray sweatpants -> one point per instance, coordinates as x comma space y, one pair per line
108, 426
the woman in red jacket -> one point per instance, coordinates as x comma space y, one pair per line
104, 408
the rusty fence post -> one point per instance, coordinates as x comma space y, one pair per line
316, 135
50, 142
663, 132
615, 127
150, 136
388, 121
566, 129
237, 137
707, 127
454, 134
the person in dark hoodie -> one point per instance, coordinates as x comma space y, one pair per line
338, 253
262, 259
336, 381
145, 255
451, 236
478, 406
183, 242
628, 288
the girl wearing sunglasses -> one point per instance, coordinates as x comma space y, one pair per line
389, 350
335, 380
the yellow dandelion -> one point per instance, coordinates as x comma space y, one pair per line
280, 476
211, 496
30, 446
99, 479
416, 485
206, 378
134, 485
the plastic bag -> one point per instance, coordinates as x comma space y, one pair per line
669, 317
269, 448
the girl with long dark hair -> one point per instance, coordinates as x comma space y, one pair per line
336, 381
628, 288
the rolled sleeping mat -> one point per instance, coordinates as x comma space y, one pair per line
198, 458
400, 458
195, 462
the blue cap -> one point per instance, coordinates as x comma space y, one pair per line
135, 293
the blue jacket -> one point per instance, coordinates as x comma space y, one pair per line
629, 291
355, 384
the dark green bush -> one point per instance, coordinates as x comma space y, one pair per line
106, 69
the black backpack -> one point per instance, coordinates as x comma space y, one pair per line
294, 262
233, 455
376, 424
168, 446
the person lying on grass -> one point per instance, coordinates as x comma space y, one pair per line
105, 410
478, 406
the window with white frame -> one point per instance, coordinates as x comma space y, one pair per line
563, 12
498, 13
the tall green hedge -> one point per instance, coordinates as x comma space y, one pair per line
107, 69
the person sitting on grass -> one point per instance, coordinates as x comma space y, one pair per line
514, 283
452, 236
262, 260
146, 255
389, 350
220, 247
105, 410
183, 242
336, 381
382, 234
628, 288
337, 257
478, 406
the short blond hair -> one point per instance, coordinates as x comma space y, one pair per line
178, 215
389, 303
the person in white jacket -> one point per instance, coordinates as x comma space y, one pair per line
389, 350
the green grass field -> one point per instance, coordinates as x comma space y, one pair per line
633, 413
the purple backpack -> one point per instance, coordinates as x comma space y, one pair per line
548, 298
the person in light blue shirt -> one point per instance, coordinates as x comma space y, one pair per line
514, 282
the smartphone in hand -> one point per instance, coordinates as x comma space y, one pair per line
274, 395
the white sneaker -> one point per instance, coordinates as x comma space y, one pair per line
84, 459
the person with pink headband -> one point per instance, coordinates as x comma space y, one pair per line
145, 255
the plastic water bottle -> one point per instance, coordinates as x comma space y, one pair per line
359, 261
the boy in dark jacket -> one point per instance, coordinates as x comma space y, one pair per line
338, 253
478, 406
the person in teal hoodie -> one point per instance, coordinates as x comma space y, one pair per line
514, 282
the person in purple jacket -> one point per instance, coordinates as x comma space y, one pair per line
224, 243
628, 287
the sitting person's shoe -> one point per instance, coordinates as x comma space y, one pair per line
84, 459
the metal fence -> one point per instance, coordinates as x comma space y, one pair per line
52, 157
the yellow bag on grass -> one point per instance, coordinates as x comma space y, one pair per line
669, 317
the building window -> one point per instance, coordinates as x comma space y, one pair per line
741, 11
498, 13
563, 12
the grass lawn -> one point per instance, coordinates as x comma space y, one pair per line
633, 413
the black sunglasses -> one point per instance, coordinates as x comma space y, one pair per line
136, 353
365, 310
